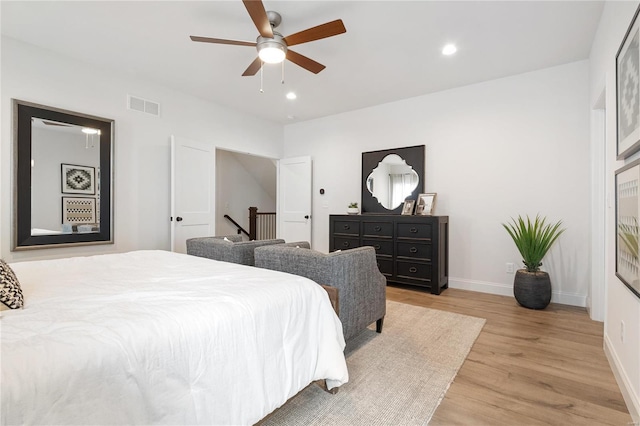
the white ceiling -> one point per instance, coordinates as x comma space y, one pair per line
391, 49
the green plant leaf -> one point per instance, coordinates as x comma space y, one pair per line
533, 239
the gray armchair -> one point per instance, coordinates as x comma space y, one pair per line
361, 286
235, 250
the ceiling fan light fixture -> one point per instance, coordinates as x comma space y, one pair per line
271, 52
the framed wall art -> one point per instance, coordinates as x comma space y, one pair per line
78, 210
426, 204
78, 179
627, 230
628, 91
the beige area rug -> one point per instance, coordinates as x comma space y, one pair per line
395, 378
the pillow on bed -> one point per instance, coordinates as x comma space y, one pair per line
10, 291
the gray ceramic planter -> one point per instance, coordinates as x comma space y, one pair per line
532, 289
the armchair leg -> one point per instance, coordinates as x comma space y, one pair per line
379, 325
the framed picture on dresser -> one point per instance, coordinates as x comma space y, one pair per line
407, 209
426, 204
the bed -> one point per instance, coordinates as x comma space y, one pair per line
153, 337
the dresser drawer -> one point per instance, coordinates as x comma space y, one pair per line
414, 271
377, 229
415, 230
345, 243
385, 266
414, 250
381, 246
346, 227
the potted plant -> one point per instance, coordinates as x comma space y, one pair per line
353, 208
531, 286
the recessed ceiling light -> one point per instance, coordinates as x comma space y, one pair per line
291, 96
449, 49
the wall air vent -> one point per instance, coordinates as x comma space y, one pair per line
143, 105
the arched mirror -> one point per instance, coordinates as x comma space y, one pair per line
391, 176
62, 177
392, 181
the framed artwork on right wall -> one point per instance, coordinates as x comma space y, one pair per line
628, 91
627, 226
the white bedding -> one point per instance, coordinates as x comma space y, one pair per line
152, 337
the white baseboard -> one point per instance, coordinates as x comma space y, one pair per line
481, 286
630, 397
507, 290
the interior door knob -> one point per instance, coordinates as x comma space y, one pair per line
306, 216
178, 219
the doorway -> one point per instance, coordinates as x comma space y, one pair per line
242, 181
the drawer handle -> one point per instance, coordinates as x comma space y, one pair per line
413, 250
346, 226
413, 269
345, 244
377, 246
413, 230
377, 228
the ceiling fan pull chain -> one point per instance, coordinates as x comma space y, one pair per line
282, 80
261, 73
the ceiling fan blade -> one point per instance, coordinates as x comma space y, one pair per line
253, 68
329, 29
304, 62
223, 41
259, 16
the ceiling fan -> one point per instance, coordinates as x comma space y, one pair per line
272, 46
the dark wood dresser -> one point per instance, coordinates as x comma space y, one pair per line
411, 250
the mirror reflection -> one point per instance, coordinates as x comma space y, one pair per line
65, 173
392, 181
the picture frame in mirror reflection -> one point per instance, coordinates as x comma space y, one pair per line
78, 179
78, 210
407, 208
426, 204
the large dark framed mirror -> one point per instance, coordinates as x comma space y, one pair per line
391, 176
62, 177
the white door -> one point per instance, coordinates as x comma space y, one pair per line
192, 194
294, 199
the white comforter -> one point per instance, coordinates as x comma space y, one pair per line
154, 337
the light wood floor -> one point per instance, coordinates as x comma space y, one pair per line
527, 367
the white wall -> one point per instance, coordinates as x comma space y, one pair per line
142, 153
517, 145
621, 304
237, 189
